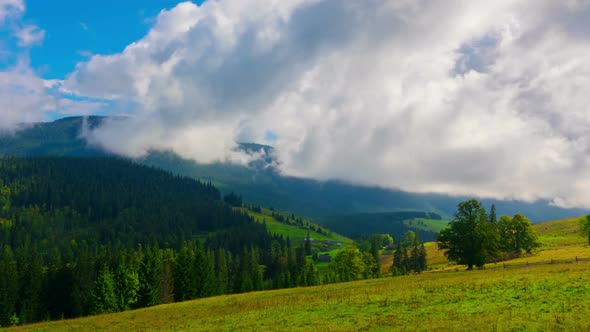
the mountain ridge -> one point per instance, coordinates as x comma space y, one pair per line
260, 183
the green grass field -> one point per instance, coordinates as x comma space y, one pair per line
433, 225
559, 233
535, 298
542, 298
294, 232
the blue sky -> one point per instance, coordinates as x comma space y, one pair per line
73, 28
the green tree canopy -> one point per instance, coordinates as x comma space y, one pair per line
349, 264
516, 234
470, 238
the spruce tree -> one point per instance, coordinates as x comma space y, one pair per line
167, 277
375, 252
126, 286
150, 272
8, 286
104, 298
30, 268
184, 275
204, 274
221, 272
493, 217
397, 267
422, 262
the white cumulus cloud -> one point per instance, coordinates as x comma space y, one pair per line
25, 97
487, 98
9, 8
30, 35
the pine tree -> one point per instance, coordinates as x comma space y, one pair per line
104, 298
493, 217
204, 274
400, 258
299, 268
375, 252
167, 277
244, 281
221, 272
312, 275
150, 272
8, 286
184, 275
83, 281
126, 286
422, 262
30, 267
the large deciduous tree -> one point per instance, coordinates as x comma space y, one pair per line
470, 238
516, 234
349, 264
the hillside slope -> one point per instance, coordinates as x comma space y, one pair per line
81, 236
559, 240
425, 224
548, 298
561, 232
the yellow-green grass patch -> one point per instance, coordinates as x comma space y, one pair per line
562, 232
540, 298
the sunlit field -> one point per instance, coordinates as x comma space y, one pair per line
547, 297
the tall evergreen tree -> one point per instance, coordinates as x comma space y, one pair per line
30, 268
204, 274
401, 261
84, 278
221, 272
166, 277
493, 217
244, 269
104, 298
126, 285
150, 273
375, 267
8, 286
422, 261
185, 283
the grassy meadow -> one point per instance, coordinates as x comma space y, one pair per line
535, 298
540, 298
433, 225
294, 232
559, 233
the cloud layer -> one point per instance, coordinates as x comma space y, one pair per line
462, 97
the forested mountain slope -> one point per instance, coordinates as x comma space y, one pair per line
83, 236
262, 185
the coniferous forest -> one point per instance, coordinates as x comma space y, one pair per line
86, 236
